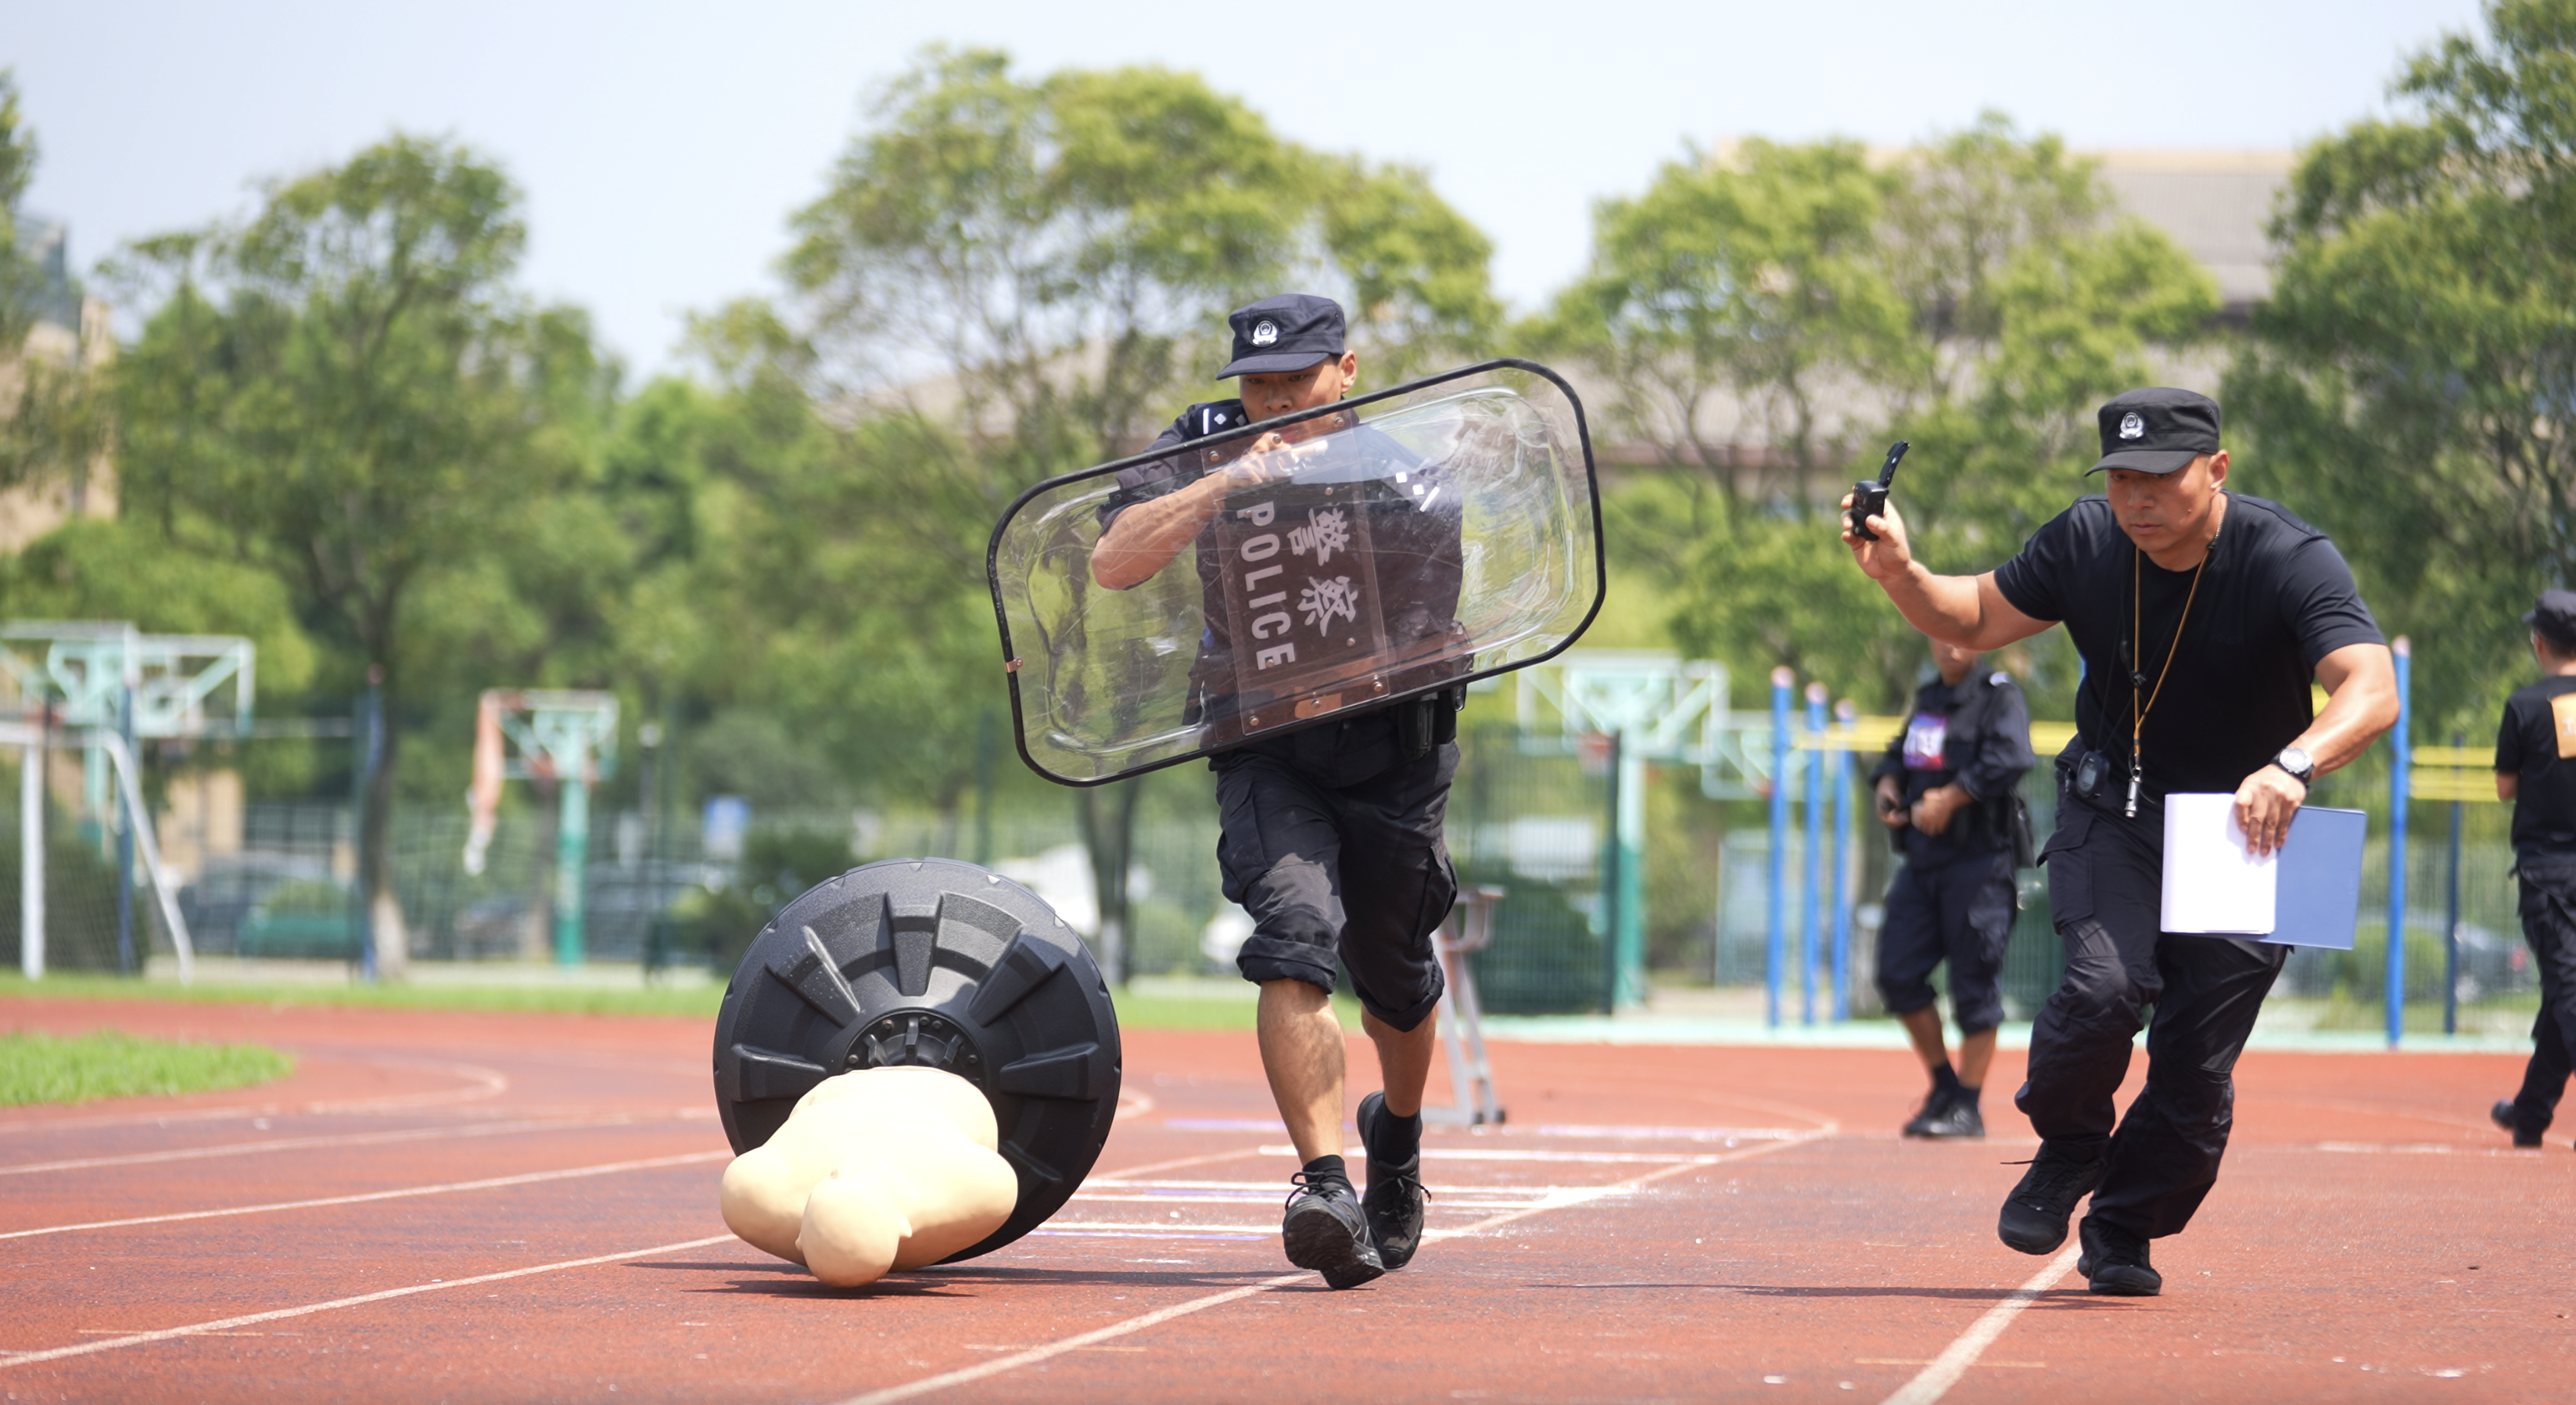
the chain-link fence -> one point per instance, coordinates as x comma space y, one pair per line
1529, 819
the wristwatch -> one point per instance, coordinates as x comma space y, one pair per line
2301, 766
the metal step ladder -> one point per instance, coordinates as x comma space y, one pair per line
1470, 928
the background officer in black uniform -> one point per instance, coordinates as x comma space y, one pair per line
2202, 616
1947, 787
2536, 769
1331, 836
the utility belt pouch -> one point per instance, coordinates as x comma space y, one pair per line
2025, 841
2083, 772
1428, 721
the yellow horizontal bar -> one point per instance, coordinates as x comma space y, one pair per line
2452, 785
2480, 758
1874, 733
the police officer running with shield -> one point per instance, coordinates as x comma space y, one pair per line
1947, 789
1331, 836
2202, 616
2535, 766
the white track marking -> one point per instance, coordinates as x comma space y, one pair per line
1034, 1355
1668, 1134
1935, 1380
1268, 1231
228, 1324
482, 1083
1177, 1163
409, 1134
492, 1183
1434, 1152
1133, 1105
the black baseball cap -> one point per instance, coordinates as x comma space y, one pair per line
2553, 616
1287, 333
2158, 430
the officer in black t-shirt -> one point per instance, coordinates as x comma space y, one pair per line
1947, 787
2536, 769
2202, 616
1331, 836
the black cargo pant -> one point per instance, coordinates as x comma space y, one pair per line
1357, 872
2549, 924
1961, 912
2105, 893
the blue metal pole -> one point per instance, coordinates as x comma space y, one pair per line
1845, 714
1811, 858
1774, 913
2451, 925
126, 820
2402, 758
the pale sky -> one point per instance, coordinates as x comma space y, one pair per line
661, 146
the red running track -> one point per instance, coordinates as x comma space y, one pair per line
496, 1207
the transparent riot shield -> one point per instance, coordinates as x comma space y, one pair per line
1259, 580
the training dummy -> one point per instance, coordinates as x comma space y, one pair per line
874, 1171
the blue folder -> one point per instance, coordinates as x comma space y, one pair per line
2319, 880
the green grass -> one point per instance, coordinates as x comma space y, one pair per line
698, 1000
1141, 1010
1136, 1010
39, 1068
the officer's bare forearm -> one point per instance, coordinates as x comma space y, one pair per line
1967, 611
2361, 703
1144, 538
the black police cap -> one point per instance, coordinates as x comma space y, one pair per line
1287, 333
2553, 617
2160, 430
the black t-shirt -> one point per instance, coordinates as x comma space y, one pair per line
2274, 598
2538, 743
1420, 597
1977, 734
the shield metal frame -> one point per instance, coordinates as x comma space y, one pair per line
1001, 606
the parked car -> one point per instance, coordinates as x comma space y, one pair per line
265, 904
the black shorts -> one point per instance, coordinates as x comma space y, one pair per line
1357, 872
1961, 912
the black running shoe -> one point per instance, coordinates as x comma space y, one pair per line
2034, 1217
1395, 1195
1959, 1120
2509, 1117
2114, 1261
1326, 1230
1935, 1104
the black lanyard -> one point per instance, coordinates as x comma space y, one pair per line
2137, 673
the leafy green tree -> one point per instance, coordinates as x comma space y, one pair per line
21, 282
1770, 318
2412, 382
346, 393
1748, 282
53, 420
1013, 278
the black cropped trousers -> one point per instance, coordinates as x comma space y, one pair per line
2105, 891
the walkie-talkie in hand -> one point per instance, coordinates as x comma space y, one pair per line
1870, 499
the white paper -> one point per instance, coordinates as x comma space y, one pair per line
2212, 880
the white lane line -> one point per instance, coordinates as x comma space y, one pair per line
1434, 1152
407, 1192
1935, 1380
227, 1324
411, 1134
1178, 1163
482, 1083
1669, 1134
1034, 1355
